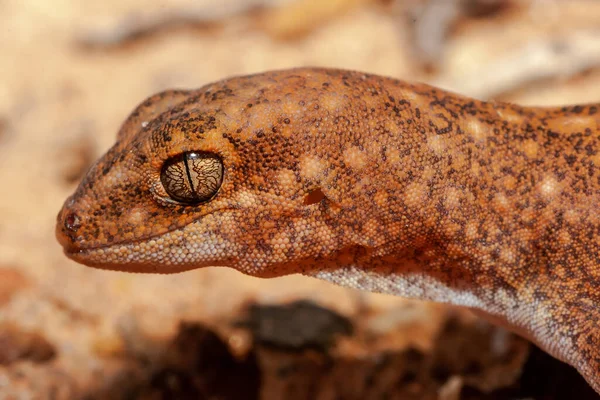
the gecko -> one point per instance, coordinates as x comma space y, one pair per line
367, 182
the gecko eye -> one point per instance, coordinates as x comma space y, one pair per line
192, 177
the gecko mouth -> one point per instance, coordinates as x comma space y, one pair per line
121, 257
93, 255
66, 233
145, 255
74, 246
90, 255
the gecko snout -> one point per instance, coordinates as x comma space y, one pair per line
67, 227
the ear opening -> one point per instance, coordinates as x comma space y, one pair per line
313, 197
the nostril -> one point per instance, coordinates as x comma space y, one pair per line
72, 222
68, 229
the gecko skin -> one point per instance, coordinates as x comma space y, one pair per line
367, 182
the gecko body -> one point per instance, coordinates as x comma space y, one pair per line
366, 182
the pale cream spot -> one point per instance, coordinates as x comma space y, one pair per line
507, 255
452, 198
326, 236
549, 187
373, 124
214, 140
286, 180
471, 230
577, 123
116, 176
355, 158
373, 149
476, 169
332, 102
390, 125
501, 203
392, 155
281, 242
289, 106
281, 238
231, 111
527, 215
256, 117
372, 101
572, 216
413, 96
415, 194
437, 144
559, 270
452, 228
137, 216
381, 199
564, 238
459, 159
530, 148
493, 229
370, 227
509, 115
246, 199
478, 130
428, 173
312, 167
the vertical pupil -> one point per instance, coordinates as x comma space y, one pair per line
192, 177
187, 172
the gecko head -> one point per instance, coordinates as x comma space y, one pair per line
198, 179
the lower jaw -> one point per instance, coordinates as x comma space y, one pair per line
82, 257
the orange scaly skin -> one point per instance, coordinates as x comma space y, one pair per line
367, 182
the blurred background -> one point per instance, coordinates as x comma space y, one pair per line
70, 73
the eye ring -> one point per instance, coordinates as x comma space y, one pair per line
193, 177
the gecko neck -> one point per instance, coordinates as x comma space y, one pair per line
473, 200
